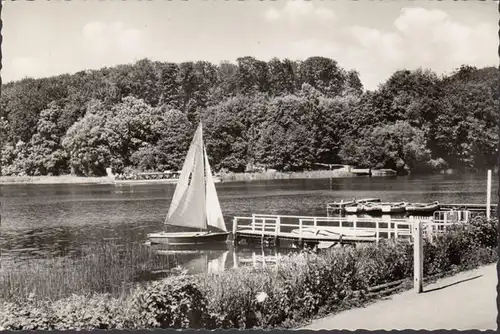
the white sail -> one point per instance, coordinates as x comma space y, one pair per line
214, 212
188, 203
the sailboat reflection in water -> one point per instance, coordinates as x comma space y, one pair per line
195, 203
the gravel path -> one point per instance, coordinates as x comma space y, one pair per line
465, 301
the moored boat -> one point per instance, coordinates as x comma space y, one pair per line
369, 200
373, 208
354, 208
393, 207
195, 204
422, 207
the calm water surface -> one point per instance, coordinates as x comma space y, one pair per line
41, 221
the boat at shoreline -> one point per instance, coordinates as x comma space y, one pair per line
393, 207
359, 206
422, 207
373, 208
195, 204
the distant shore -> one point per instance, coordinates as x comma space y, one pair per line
226, 177
229, 177
321, 174
61, 179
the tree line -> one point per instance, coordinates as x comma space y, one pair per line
281, 114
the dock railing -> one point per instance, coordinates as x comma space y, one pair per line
351, 229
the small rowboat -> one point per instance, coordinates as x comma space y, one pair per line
355, 208
422, 207
393, 207
373, 208
368, 200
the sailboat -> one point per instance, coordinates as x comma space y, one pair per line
195, 203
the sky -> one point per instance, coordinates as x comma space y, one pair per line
376, 38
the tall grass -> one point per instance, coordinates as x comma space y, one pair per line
299, 287
101, 268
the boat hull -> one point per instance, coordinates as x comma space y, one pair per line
393, 208
188, 238
422, 208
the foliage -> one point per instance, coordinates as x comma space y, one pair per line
126, 117
299, 287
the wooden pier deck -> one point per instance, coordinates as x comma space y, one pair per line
325, 232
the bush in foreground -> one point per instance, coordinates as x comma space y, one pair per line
299, 287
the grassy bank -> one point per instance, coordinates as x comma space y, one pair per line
61, 179
298, 288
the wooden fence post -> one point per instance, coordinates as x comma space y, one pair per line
488, 195
235, 228
418, 256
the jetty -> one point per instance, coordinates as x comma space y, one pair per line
325, 232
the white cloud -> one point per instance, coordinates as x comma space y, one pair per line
25, 67
113, 43
420, 38
308, 47
295, 10
272, 14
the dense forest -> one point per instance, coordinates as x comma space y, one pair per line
282, 114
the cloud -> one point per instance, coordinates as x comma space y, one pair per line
295, 10
302, 48
25, 67
419, 38
272, 14
113, 43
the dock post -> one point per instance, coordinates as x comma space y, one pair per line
235, 228
488, 195
418, 256
276, 232
301, 243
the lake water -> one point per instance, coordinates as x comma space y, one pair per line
41, 221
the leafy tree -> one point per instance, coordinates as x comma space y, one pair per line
285, 142
227, 131
398, 146
47, 156
324, 74
252, 76
282, 77
87, 142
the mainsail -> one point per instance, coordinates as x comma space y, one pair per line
195, 202
214, 212
188, 203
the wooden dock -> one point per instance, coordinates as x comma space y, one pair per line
325, 232
320, 231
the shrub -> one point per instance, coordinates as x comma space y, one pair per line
171, 303
299, 287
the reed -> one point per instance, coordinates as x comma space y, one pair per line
101, 268
300, 287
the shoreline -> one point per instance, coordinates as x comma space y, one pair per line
229, 177
61, 179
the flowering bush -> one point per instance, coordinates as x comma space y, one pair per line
299, 287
